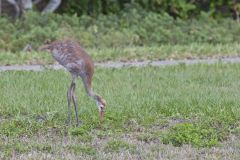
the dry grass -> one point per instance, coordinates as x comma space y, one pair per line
51, 146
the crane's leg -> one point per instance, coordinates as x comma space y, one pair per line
75, 104
70, 96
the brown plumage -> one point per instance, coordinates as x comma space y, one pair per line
73, 57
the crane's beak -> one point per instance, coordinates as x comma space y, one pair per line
101, 107
101, 111
101, 115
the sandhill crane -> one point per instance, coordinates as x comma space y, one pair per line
72, 56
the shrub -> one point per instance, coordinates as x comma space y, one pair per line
125, 29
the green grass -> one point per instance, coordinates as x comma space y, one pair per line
118, 146
197, 105
8, 58
194, 50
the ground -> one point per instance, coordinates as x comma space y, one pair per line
123, 146
186, 112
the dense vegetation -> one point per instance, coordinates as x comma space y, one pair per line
176, 8
133, 28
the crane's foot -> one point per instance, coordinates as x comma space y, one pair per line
69, 117
69, 121
78, 121
78, 124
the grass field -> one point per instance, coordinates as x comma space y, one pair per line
194, 50
168, 112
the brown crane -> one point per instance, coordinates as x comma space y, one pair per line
73, 57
